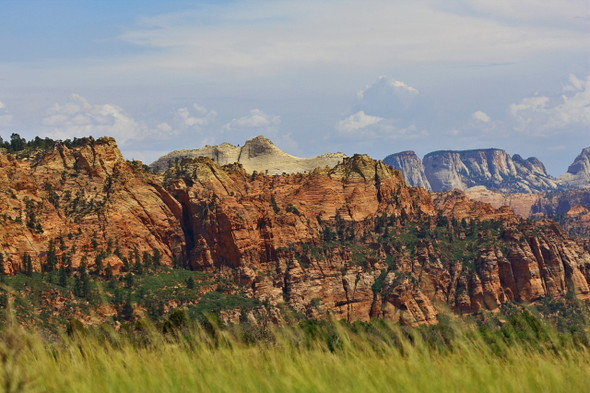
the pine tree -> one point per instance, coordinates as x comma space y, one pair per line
1, 263
84, 280
27, 265
51, 258
127, 310
63, 277
157, 257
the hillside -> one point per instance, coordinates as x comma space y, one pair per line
353, 242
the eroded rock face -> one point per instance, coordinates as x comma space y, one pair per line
329, 242
411, 167
569, 208
258, 154
492, 168
578, 174
353, 241
85, 200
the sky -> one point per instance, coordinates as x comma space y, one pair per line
372, 76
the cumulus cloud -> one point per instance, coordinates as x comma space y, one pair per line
543, 115
5, 118
79, 118
255, 119
357, 121
387, 97
201, 118
480, 116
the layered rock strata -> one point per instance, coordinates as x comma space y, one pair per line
84, 201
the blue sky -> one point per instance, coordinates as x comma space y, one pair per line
372, 76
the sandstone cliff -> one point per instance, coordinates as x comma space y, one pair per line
258, 154
85, 201
569, 208
352, 242
411, 167
356, 242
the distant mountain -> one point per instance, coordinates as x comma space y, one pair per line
493, 169
410, 166
258, 154
578, 174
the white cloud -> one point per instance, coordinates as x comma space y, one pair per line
255, 119
481, 116
544, 115
79, 118
203, 116
357, 122
387, 97
5, 118
235, 37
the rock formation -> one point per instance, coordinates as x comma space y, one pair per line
356, 242
578, 174
492, 168
84, 201
411, 167
258, 154
569, 208
352, 242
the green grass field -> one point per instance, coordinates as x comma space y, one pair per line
312, 357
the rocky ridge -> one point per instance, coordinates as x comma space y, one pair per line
492, 168
356, 242
353, 241
84, 201
411, 167
578, 174
569, 208
258, 154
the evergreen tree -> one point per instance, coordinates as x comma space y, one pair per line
147, 259
190, 283
63, 277
51, 258
98, 265
68, 265
108, 272
156, 257
127, 309
1, 263
27, 265
82, 281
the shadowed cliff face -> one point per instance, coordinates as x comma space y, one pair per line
85, 200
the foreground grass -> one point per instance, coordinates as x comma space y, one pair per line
328, 358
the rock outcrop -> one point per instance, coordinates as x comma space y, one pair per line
353, 241
411, 167
84, 201
492, 168
569, 208
258, 154
578, 174
356, 242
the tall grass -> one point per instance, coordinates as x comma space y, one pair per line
311, 358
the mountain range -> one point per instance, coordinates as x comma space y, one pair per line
351, 242
438, 171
